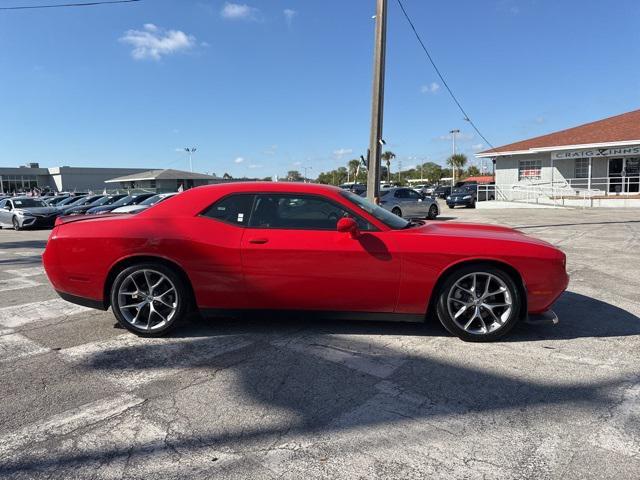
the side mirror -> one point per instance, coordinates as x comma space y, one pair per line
7, 207
348, 225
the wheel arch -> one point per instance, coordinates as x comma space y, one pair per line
509, 269
126, 262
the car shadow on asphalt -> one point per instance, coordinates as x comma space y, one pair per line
323, 399
23, 244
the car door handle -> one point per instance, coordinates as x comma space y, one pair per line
259, 241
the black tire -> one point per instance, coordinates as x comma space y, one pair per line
473, 204
182, 298
396, 211
433, 212
450, 206
16, 224
447, 320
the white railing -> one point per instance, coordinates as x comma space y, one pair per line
555, 194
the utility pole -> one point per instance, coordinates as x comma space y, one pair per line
305, 173
190, 151
377, 104
453, 167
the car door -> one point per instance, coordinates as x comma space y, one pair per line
293, 258
4, 214
418, 206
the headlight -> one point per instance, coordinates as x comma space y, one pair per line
466, 197
26, 214
449, 197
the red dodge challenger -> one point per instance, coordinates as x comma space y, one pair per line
300, 247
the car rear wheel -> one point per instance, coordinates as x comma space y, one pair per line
479, 303
396, 211
433, 212
16, 223
149, 299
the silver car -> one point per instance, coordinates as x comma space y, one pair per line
23, 212
407, 203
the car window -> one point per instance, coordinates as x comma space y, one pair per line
234, 209
28, 203
389, 219
413, 195
300, 212
2, 203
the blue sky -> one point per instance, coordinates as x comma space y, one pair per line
262, 87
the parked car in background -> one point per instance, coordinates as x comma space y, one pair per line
407, 203
88, 200
133, 199
24, 212
103, 200
464, 196
354, 187
442, 191
149, 202
424, 189
53, 201
300, 247
69, 201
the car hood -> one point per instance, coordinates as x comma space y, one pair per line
472, 231
38, 210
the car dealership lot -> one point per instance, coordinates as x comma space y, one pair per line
293, 398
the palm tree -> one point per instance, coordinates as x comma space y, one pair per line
387, 157
457, 162
353, 165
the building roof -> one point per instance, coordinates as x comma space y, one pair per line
164, 174
479, 179
621, 129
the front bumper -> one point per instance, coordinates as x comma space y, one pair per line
459, 202
37, 221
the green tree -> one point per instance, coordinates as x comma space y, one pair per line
457, 162
431, 171
387, 157
473, 171
294, 176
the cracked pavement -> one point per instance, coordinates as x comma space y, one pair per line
274, 397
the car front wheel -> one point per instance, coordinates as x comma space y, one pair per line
149, 299
397, 211
16, 223
433, 212
479, 303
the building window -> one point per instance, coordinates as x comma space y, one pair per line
530, 170
582, 168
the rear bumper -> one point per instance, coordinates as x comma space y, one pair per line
85, 302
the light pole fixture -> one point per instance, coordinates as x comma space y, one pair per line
190, 151
453, 165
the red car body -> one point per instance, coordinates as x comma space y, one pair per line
231, 267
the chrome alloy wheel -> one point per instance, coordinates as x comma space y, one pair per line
147, 299
480, 303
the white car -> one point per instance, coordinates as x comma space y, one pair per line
144, 205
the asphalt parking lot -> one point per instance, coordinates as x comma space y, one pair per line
291, 398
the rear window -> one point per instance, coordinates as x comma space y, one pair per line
234, 209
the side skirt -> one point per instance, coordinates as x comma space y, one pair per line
316, 314
85, 302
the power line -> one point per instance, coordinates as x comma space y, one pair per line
444, 82
60, 5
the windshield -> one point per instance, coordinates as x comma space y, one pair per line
123, 201
69, 201
152, 200
28, 203
389, 219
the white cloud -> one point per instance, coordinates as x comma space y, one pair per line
432, 87
239, 160
340, 153
297, 164
153, 42
253, 165
478, 146
289, 14
237, 11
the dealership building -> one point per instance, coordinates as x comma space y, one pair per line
58, 179
599, 160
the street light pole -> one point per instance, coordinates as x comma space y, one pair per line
305, 172
453, 166
190, 151
377, 104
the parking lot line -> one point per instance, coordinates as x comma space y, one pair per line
14, 346
26, 272
67, 422
19, 315
18, 283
